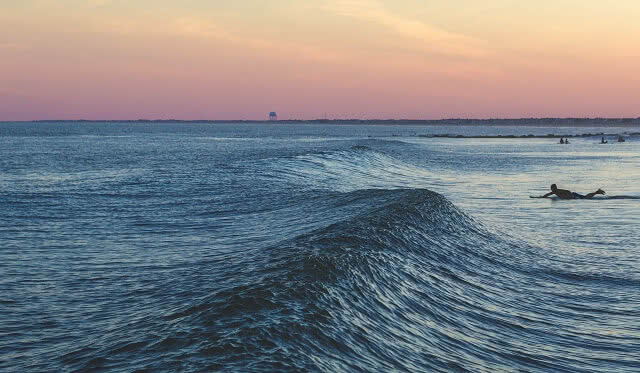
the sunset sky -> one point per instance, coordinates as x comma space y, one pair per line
241, 59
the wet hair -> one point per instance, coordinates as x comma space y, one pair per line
553, 186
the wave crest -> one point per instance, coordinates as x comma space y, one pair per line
404, 253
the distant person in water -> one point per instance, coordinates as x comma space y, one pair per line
561, 140
567, 194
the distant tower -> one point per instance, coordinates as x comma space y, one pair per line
273, 116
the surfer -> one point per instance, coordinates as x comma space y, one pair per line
567, 194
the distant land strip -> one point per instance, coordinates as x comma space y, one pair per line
550, 135
571, 122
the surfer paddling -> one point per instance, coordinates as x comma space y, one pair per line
567, 194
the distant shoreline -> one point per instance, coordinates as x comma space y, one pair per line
548, 136
542, 122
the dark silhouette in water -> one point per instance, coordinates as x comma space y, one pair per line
561, 140
602, 141
567, 194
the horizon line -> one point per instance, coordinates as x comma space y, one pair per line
329, 120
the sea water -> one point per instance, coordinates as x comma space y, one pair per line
316, 247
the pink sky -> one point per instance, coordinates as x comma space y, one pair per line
114, 59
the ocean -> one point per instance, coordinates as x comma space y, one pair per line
250, 247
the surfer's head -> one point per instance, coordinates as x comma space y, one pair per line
553, 187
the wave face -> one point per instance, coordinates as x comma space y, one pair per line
402, 284
209, 254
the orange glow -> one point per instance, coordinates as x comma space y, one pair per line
105, 59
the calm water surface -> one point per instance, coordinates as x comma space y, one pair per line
280, 247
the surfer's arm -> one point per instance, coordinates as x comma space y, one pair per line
547, 195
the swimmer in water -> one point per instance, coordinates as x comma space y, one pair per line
567, 194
